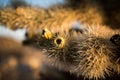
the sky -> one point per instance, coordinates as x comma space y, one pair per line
17, 35
41, 3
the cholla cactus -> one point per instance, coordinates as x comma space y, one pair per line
22, 18
35, 18
89, 54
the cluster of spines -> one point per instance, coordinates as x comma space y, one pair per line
89, 54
